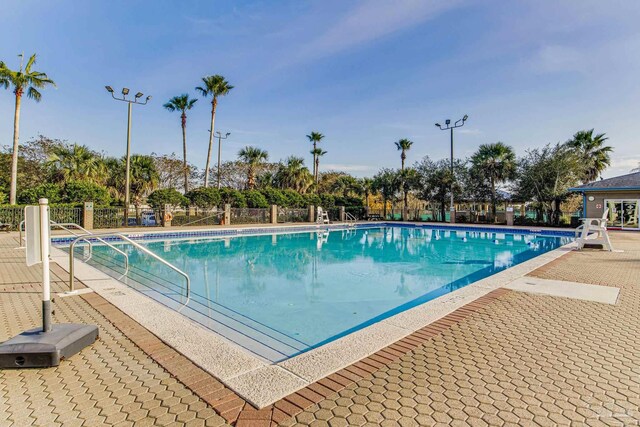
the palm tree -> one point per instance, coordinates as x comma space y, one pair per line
77, 162
315, 138
367, 188
404, 145
253, 157
294, 175
23, 80
214, 86
495, 163
182, 103
144, 179
594, 154
317, 153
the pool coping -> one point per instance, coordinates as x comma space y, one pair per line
261, 383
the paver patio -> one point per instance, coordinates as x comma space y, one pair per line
522, 359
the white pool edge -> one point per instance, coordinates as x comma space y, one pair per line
260, 382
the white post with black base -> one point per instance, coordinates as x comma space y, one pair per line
47, 346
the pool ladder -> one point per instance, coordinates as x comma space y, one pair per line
350, 219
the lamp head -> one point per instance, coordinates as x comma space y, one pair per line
447, 122
148, 98
464, 119
228, 133
125, 91
109, 89
139, 95
438, 124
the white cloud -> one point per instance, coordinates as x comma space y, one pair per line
373, 19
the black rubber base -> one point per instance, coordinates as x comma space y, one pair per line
37, 349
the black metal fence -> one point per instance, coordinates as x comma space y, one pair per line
14, 215
250, 216
293, 215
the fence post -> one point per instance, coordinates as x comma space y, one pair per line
87, 215
166, 216
509, 215
312, 213
452, 215
341, 214
273, 214
227, 214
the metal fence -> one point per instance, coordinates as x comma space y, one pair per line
14, 215
293, 215
249, 216
196, 217
109, 217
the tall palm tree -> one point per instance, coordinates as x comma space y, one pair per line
77, 162
594, 154
315, 138
23, 80
494, 163
253, 157
404, 145
213, 86
182, 103
317, 153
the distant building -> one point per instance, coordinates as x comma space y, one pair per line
620, 194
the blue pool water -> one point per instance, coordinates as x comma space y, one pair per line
282, 294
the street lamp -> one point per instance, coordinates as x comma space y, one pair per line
130, 102
220, 138
448, 126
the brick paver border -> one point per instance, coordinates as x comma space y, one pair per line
233, 408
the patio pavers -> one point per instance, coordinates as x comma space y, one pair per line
522, 358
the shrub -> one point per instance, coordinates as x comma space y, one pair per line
233, 197
3, 197
167, 196
274, 196
294, 199
312, 199
83, 191
328, 200
204, 197
30, 196
255, 199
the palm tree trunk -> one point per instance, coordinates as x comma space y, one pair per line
184, 153
214, 104
14, 155
317, 167
493, 199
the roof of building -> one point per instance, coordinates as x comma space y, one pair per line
630, 181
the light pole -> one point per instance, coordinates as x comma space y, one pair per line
220, 138
457, 124
127, 180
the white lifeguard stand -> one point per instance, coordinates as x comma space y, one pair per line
593, 231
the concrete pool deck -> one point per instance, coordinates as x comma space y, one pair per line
259, 381
351, 404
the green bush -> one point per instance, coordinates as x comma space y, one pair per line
83, 191
255, 199
30, 196
294, 199
3, 197
328, 200
166, 196
233, 197
312, 199
274, 196
204, 197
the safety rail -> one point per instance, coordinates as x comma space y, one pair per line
350, 219
133, 243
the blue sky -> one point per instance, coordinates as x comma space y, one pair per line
365, 73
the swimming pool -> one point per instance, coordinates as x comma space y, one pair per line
281, 294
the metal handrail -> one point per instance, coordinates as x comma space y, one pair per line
350, 218
64, 226
128, 240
